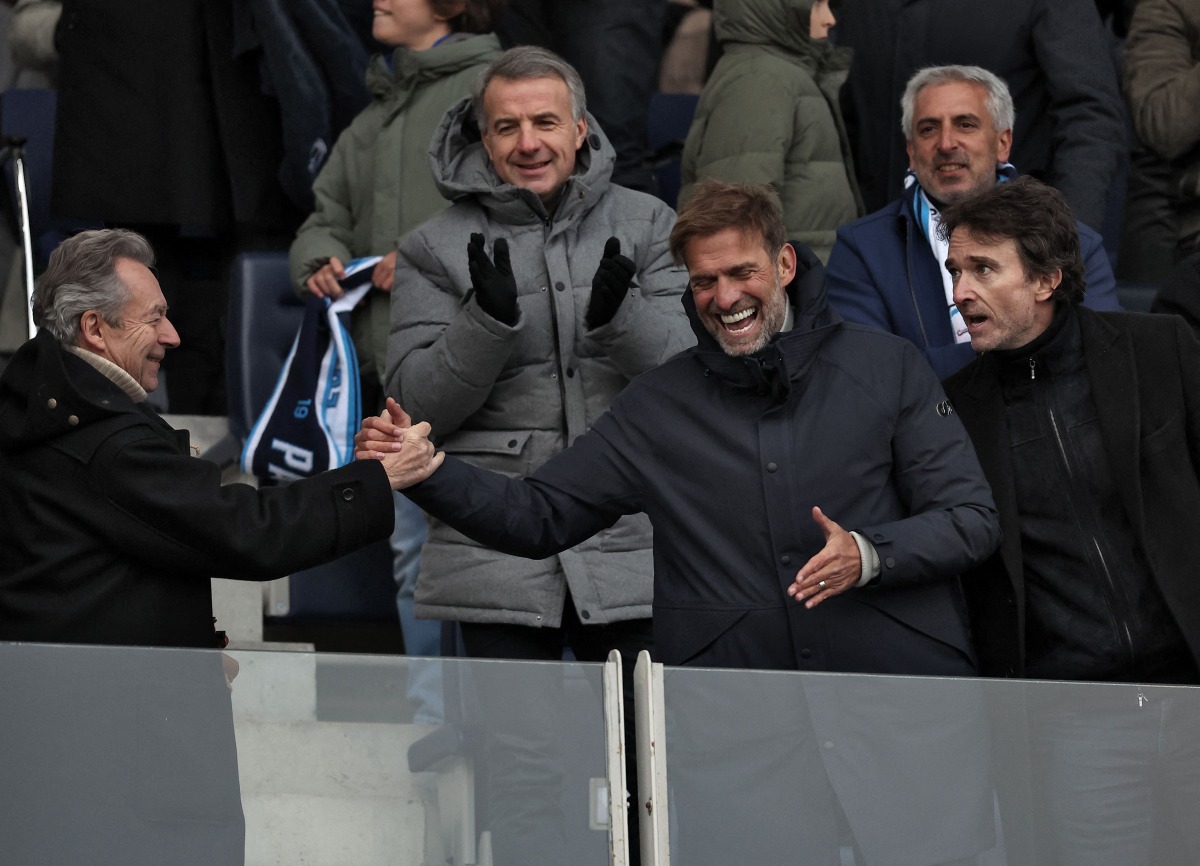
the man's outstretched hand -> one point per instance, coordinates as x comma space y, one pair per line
403, 447
834, 569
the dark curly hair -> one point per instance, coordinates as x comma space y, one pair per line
1037, 218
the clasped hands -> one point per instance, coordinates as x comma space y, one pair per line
496, 289
402, 446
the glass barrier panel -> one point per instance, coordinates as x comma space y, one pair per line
163, 756
773, 768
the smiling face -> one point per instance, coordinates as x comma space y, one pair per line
411, 23
739, 288
1002, 306
138, 344
953, 146
531, 137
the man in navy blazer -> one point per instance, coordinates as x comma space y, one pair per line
886, 269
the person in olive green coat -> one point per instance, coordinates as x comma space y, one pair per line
377, 184
769, 114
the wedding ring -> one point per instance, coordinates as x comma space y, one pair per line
821, 584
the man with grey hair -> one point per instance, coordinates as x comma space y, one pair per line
518, 315
112, 527
887, 269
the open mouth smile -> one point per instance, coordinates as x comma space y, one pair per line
736, 323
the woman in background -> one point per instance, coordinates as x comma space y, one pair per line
769, 114
376, 186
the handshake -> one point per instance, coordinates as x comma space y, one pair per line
403, 447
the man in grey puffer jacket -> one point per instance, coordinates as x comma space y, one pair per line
511, 363
518, 314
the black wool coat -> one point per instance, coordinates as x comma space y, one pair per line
111, 528
1145, 378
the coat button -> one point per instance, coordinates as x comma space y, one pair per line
73, 420
785, 559
347, 494
543, 288
559, 285
584, 614
553, 375
878, 537
806, 653
890, 562
570, 372
771, 467
512, 443
51, 403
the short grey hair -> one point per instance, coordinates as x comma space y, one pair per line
999, 100
82, 276
524, 62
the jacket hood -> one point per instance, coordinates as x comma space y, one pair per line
461, 168
46, 392
787, 358
781, 25
409, 69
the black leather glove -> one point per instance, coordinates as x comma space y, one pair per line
494, 285
610, 285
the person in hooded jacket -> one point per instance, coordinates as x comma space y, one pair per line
511, 361
769, 114
813, 499
513, 353
377, 184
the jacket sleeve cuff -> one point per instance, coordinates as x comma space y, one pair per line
868, 559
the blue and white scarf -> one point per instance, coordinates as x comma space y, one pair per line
929, 220
309, 423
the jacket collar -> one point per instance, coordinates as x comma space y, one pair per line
461, 169
396, 76
786, 360
46, 392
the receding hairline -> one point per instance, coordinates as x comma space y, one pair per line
491, 117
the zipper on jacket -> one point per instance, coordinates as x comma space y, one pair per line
1119, 626
558, 352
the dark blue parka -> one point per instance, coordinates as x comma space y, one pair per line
728, 456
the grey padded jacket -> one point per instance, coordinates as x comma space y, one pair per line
509, 398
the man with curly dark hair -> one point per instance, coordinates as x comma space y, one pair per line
1087, 425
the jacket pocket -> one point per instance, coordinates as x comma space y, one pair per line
1166, 435
501, 450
